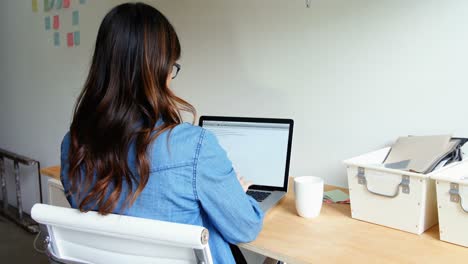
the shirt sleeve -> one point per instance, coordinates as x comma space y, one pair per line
233, 213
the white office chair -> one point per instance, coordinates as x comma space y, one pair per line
76, 237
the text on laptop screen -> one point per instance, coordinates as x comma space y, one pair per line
258, 151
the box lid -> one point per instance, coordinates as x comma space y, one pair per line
373, 160
456, 172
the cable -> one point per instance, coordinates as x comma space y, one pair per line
42, 251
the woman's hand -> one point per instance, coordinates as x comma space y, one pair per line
245, 184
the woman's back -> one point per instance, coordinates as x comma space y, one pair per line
128, 150
191, 181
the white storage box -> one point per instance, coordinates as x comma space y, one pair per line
389, 197
452, 200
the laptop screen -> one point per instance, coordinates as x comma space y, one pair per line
258, 151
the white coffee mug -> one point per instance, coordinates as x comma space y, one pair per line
309, 195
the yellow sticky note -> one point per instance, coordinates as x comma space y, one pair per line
34, 6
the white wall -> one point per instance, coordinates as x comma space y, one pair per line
353, 74
39, 83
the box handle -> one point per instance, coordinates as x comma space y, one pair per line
455, 195
404, 184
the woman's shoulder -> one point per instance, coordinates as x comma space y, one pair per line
185, 133
188, 128
65, 145
178, 144
66, 138
194, 135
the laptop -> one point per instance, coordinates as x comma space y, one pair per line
260, 150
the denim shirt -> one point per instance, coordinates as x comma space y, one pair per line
191, 181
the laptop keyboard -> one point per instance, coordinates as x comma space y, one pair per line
258, 196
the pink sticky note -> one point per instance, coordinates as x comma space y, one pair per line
66, 3
70, 39
56, 22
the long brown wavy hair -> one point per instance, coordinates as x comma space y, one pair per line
123, 98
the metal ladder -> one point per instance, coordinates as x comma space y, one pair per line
19, 217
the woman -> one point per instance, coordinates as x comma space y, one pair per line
128, 151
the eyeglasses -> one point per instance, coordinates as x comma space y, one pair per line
175, 70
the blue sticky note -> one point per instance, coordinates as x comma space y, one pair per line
58, 4
76, 38
76, 18
82, 2
56, 39
47, 23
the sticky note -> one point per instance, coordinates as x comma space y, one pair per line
82, 2
336, 196
70, 39
66, 3
47, 23
56, 22
56, 39
58, 4
76, 18
76, 38
34, 6
48, 5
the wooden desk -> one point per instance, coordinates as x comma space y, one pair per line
334, 237
53, 172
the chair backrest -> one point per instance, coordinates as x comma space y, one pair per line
56, 193
76, 237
